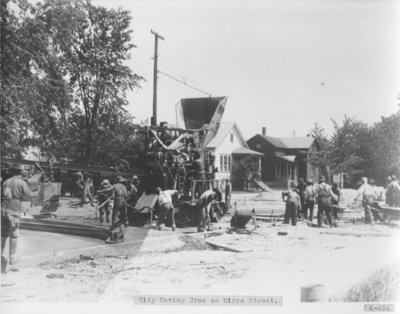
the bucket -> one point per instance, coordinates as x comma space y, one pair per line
313, 293
4, 262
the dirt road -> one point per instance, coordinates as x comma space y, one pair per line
163, 262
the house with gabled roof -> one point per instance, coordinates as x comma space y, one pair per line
285, 159
227, 149
223, 148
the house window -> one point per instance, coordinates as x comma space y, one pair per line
225, 163
231, 138
258, 146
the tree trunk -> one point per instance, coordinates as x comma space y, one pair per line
89, 142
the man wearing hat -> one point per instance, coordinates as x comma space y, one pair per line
393, 192
133, 195
104, 199
15, 190
133, 190
367, 193
292, 199
325, 196
120, 195
310, 197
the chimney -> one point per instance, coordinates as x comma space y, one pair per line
264, 130
294, 133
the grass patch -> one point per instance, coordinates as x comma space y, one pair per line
381, 286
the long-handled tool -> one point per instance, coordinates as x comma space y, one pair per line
115, 237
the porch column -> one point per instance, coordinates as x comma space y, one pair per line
287, 170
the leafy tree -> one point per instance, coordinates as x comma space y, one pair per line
94, 51
345, 151
246, 169
384, 148
33, 95
64, 80
359, 149
348, 145
321, 158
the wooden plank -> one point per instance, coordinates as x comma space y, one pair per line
99, 233
223, 247
356, 234
390, 208
61, 223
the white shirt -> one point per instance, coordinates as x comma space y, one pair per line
165, 197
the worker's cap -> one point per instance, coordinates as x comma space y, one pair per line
135, 177
120, 179
105, 183
158, 191
321, 178
24, 175
309, 181
364, 179
393, 178
292, 185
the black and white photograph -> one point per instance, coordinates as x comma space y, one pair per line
199, 155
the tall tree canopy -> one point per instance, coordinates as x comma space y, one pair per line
358, 149
64, 78
33, 94
94, 53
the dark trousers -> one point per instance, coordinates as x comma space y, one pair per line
104, 209
203, 215
325, 210
119, 210
302, 206
367, 202
292, 208
309, 205
166, 211
9, 229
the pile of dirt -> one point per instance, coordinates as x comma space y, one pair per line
347, 197
194, 243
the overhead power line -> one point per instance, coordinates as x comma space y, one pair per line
184, 83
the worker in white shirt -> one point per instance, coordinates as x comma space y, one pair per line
166, 207
367, 193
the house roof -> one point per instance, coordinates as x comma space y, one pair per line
246, 151
223, 131
290, 142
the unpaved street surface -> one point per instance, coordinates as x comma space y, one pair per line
173, 263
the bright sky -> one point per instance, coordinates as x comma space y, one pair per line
284, 64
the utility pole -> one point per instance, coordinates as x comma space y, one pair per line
156, 37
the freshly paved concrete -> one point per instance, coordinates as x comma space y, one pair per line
33, 243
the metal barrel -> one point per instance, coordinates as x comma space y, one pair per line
313, 293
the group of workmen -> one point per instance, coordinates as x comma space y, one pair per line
301, 199
300, 202
125, 193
